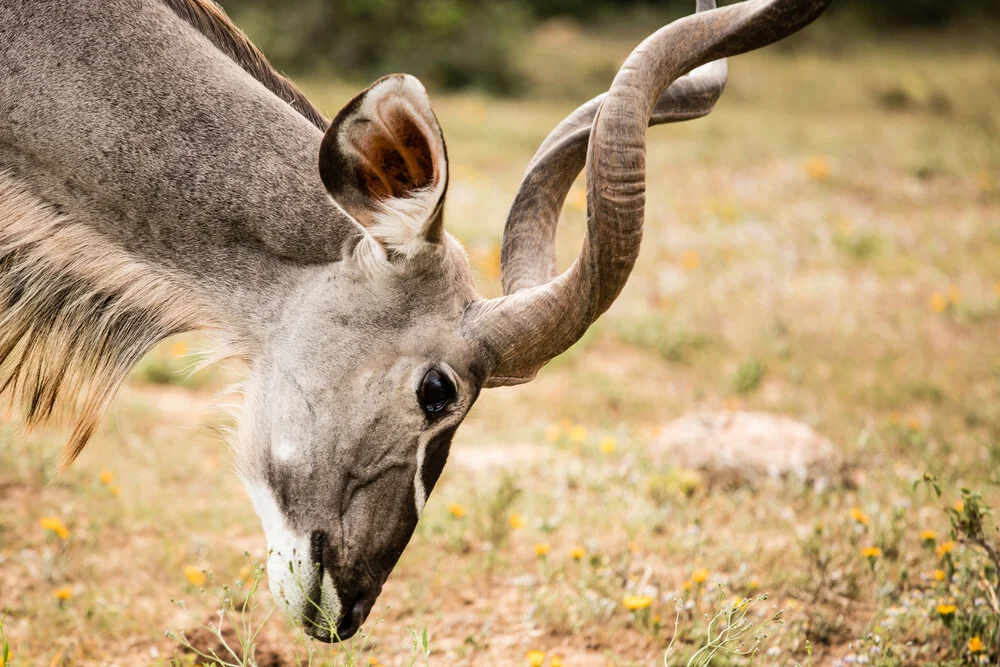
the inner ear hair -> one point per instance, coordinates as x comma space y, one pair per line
384, 160
395, 157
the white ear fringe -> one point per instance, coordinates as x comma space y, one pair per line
400, 224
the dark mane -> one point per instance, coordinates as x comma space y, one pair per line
209, 19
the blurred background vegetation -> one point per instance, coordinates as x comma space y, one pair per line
494, 46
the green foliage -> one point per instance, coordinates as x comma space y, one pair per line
748, 377
653, 332
860, 246
447, 43
171, 364
495, 525
5, 656
465, 43
926, 13
231, 637
732, 635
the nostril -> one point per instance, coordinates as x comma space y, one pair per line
317, 540
352, 620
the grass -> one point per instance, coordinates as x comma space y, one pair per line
825, 245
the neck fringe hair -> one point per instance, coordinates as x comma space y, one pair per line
76, 314
210, 20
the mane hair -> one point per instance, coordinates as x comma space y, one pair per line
76, 314
211, 20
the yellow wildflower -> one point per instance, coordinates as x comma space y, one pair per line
818, 168
975, 645
577, 434
686, 585
10, 658
633, 547
535, 658
516, 521
914, 424
954, 294
753, 585
543, 549
739, 604
115, 490
636, 602
946, 609
959, 506
860, 516
726, 211
699, 576
938, 575
928, 536
578, 553
54, 525
63, 593
690, 260
194, 575
456, 510
556, 661
179, 349
553, 432
945, 548
938, 302
871, 552
609, 444
107, 477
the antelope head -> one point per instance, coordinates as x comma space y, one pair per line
376, 359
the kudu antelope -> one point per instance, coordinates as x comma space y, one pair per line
158, 176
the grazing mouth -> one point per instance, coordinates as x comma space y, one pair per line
347, 628
317, 621
316, 624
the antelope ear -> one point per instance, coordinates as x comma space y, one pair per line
384, 160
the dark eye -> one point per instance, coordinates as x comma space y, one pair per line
435, 393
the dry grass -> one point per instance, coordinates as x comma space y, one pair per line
826, 245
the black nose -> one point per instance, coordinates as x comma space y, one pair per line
353, 617
350, 622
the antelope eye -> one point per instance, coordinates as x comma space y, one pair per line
435, 393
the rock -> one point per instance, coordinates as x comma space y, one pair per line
747, 447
